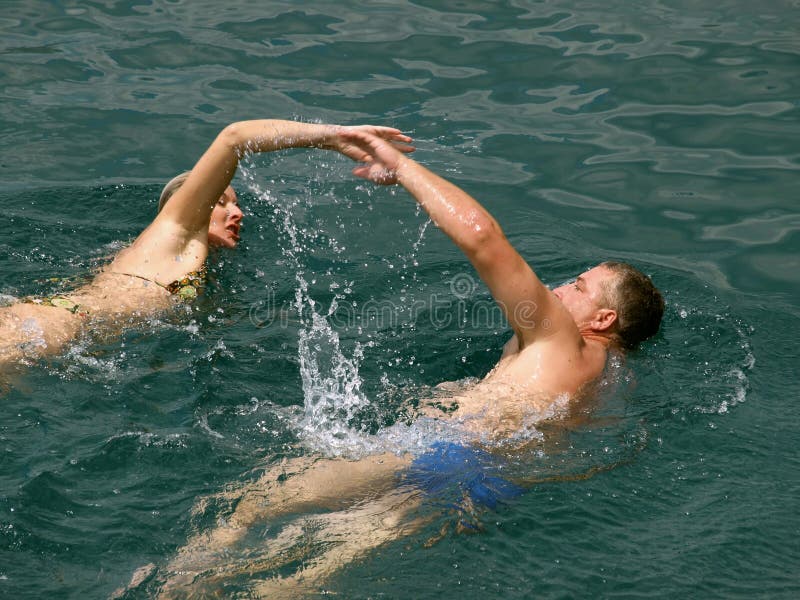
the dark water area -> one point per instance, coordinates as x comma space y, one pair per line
661, 133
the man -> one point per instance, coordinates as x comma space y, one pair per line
561, 337
561, 341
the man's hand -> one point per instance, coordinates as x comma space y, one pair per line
382, 151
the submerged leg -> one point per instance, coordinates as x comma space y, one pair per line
314, 547
348, 536
303, 485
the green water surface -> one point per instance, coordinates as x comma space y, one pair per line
664, 133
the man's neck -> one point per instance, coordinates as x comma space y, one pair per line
595, 337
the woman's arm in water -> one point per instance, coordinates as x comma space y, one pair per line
177, 240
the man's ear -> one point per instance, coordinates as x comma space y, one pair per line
604, 319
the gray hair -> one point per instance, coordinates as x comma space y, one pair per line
638, 303
173, 186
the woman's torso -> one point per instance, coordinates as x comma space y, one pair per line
36, 327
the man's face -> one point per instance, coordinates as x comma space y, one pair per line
226, 220
585, 296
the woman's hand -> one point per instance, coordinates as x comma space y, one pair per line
343, 142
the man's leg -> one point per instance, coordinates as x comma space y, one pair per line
348, 535
302, 485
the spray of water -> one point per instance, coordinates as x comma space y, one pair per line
727, 361
330, 377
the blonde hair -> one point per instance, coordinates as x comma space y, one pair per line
173, 186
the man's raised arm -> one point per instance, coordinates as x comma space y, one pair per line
530, 307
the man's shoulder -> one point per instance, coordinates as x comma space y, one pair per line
556, 366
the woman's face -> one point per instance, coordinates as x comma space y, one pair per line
226, 220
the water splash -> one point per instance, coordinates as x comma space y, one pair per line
7, 299
332, 395
720, 345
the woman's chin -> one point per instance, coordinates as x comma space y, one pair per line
223, 243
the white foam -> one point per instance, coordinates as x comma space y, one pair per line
732, 378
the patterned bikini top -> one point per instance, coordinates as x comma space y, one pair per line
190, 285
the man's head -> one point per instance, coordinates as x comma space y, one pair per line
226, 216
616, 300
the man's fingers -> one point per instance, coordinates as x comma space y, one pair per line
375, 173
381, 175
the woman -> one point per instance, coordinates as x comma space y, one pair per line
166, 261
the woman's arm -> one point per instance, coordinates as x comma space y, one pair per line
192, 204
176, 242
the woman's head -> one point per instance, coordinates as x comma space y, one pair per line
226, 220
173, 186
226, 216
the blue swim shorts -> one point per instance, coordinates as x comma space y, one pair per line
448, 466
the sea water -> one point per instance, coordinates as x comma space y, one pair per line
663, 133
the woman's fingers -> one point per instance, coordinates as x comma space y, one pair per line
362, 138
390, 134
398, 136
382, 158
357, 143
403, 146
